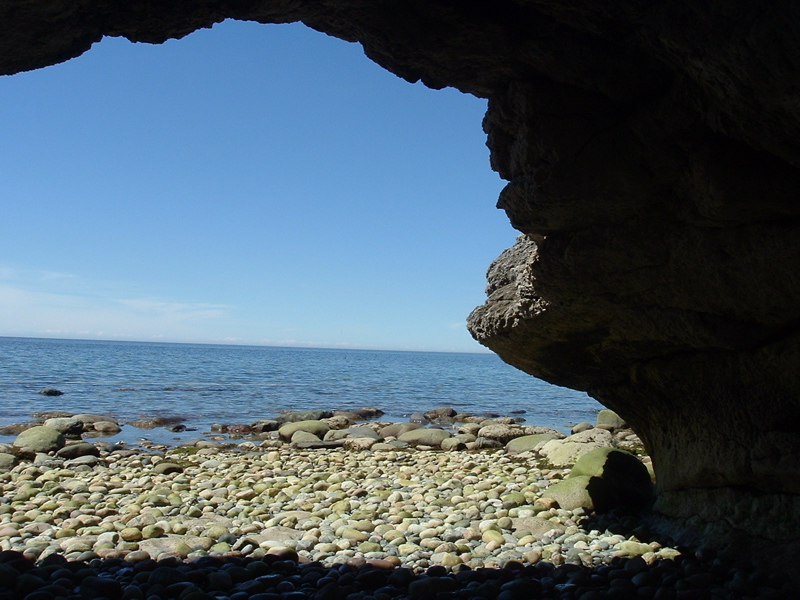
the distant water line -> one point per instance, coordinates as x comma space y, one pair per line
206, 384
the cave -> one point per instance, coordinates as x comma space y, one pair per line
652, 154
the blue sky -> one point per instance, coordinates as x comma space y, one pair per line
255, 184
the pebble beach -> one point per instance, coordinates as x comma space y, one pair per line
265, 519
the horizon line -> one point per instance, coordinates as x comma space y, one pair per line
299, 346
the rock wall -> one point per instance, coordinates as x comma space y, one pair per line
652, 154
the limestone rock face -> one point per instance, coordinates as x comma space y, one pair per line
652, 152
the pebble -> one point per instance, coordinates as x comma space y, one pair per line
259, 522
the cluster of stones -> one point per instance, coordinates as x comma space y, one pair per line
386, 507
68, 424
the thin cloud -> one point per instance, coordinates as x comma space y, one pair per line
53, 275
175, 310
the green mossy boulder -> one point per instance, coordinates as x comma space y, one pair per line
608, 419
571, 493
528, 442
618, 480
318, 428
40, 439
424, 437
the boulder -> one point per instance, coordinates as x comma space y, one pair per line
319, 444
83, 461
453, 443
617, 480
367, 413
303, 436
469, 428
527, 443
582, 426
76, 450
336, 434
445, 412
424, 437
571, 493
144, 424
363, 432
501, 432
359, 443
51, 392
396, 429
265, 425
7, 461
483, 443
564, 452
15, 428
294, 416
317, 428
88, 419
337, 422
608, 419
166, 467
107, 427
40, 439
66, 425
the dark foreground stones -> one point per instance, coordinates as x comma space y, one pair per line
699, 576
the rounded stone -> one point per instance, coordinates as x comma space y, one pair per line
131, 534
424, 437
40, 439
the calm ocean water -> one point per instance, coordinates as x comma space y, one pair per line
208, 384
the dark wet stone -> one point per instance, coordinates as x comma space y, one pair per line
401, 577
429, 587
51, 392
101, 587
27, 583
132, 592
370, 579
367, 413
292, 416
46, 594
220, 580
165, 576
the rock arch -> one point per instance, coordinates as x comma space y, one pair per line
652, 154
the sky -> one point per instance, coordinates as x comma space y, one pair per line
248, 184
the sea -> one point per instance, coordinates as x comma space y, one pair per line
205, 384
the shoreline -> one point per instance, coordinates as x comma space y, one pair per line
334, 511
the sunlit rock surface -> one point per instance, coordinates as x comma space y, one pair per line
652, 154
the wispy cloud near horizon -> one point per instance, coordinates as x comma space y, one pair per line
176, 310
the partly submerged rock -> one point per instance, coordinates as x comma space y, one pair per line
366, 413
293, 416
51, 392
